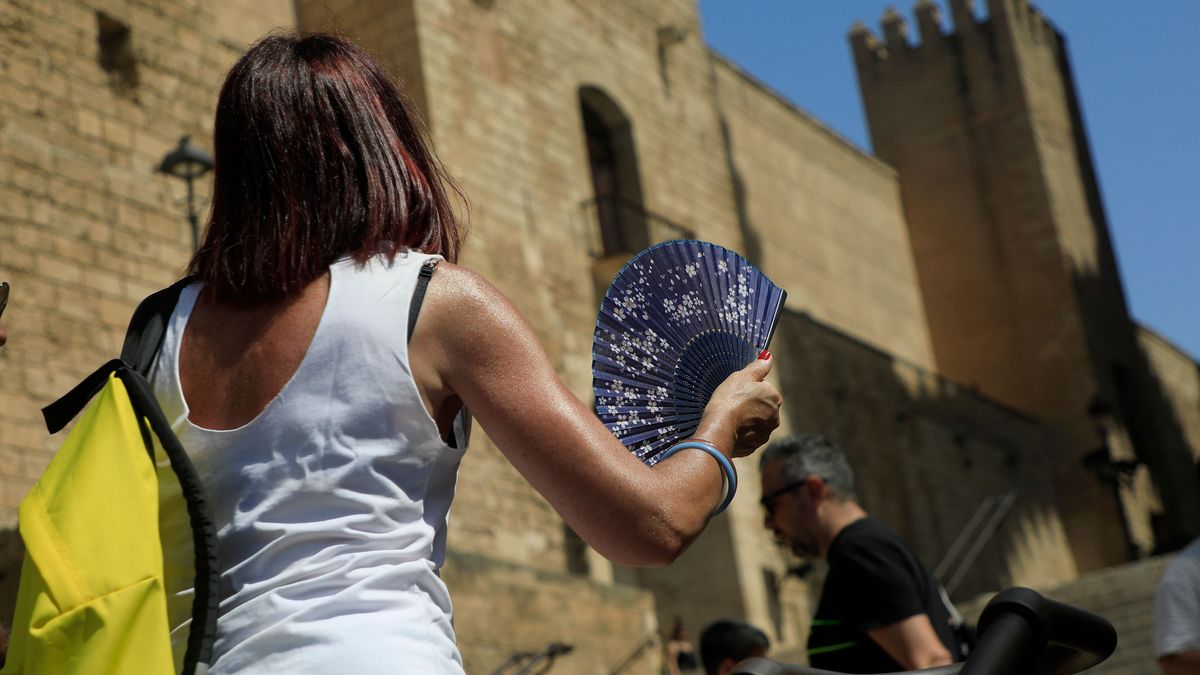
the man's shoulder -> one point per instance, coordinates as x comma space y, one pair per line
868, 534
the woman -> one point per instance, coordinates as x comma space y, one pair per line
323, 435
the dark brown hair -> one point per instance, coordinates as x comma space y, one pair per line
318, 156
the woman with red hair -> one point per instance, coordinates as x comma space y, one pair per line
327, 435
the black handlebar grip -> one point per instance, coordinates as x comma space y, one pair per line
1009, 644
1020, 632
1061, 639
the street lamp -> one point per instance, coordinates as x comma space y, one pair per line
188, 163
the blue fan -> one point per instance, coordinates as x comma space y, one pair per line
679, 318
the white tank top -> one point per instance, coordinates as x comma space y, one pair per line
331, 505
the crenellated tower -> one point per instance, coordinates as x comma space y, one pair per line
1017, 273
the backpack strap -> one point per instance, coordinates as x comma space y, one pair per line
148, 327
414, 308
143, 338
205, 603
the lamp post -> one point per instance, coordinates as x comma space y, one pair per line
188, 163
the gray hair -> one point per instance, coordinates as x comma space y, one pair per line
806, 455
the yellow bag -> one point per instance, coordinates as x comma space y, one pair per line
92, 596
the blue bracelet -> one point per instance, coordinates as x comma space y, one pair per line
729, 476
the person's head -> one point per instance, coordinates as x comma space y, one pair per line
317, 156
803, 476
679, 631
727, 642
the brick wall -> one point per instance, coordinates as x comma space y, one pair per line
88, 228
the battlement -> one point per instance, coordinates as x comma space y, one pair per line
1017, 18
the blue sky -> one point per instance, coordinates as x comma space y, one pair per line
1138, 74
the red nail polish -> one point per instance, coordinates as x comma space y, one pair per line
764, 354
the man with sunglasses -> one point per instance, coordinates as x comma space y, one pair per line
881, 610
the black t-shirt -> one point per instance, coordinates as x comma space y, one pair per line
874, 579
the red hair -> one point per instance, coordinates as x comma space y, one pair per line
317, 156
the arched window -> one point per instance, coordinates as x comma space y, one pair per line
616, 186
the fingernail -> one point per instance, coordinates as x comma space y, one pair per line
764, 354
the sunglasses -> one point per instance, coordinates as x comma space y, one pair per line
768, 500
3, 296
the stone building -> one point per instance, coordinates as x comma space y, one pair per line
955, 317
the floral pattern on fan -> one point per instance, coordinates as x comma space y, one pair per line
678, 319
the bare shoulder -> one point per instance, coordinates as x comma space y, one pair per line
463, 303
476, 337
457, 283
457, 289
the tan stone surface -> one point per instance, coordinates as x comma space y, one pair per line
1179, 375
500, 608
826, 219
926, 453
87, 229
1015, 265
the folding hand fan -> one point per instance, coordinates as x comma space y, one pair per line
679, 318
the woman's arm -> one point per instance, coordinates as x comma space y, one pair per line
483, 351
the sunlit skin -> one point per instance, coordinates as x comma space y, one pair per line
471, 346
807, 519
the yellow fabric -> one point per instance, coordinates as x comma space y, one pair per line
91, 599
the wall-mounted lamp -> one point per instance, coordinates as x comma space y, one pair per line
188, 162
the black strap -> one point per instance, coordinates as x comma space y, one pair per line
148, 327
414, 308
60, 413
203, 631
143, 339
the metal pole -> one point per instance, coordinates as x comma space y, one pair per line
192, 218
984, 535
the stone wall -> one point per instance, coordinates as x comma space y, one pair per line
926, 454
501, 609
94, 93
824, 218
88, 228
503, 82
1017, 272
1176, 383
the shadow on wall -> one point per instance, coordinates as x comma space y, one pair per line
927, 453
1138, 400
750, 239
1136, 393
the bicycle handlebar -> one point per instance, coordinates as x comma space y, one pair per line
1036, 634
1020, 632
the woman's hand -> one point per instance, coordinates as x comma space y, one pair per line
744, 409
